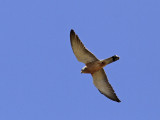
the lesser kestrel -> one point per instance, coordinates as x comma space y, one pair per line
94, 66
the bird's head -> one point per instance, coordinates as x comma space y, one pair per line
84, 69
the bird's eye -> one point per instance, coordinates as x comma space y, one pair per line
102, 62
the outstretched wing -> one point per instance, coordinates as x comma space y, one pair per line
100, 80
81, 53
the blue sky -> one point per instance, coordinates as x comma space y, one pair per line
40, 77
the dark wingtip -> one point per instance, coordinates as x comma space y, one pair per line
118, 100
72, 31
72, 34
114, 99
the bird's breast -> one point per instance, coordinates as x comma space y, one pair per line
93, 67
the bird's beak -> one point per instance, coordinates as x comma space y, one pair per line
81, 72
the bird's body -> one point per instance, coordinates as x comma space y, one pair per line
94, 66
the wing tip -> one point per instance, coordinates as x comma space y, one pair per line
72, 31
72, 35
118, 100
115, 98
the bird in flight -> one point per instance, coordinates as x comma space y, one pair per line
94, 66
